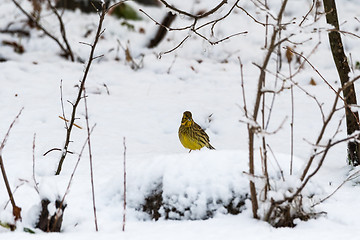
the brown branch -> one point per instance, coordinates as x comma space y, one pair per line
176, 47
20, 32
251, 131
81, 88
90, 160
16, 209
62, 31
255, 20
343, 32
193, 27
214, 22
164, 26
304, 18
317, 71
33, 167
8, 132
162, 30
46, 32
322, 131
304, 183
291, 123
124, 173
242, 87
342, 89
62, 105
73, 173
277, 163
349, 178
221, 40
53, 149
192, 15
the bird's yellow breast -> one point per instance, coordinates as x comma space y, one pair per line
189, 143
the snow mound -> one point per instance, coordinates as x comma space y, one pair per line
188, 186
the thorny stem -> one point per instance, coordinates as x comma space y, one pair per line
90, 160
81, 89
291, 125
192, 15
251, 131
16, 209
62, 31
192, 27
73, 173
322, 131
124, 210
67, 51
33, 167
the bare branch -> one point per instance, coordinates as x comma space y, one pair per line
124, 173
62, 104
255, 20
62, 31
81, 88
162, 25
173, 49
322, 131
8, 132
16, 209
305, 17
191, 15
349, 178
33, 169
90, 160
46, 32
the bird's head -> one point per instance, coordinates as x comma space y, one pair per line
187, 119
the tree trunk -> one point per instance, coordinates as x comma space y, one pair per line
343, 69
161, 32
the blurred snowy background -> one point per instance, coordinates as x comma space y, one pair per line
145, 106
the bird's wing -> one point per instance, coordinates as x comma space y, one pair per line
201, 131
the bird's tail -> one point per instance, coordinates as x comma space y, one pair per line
211, 147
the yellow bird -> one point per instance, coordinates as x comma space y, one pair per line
191, 135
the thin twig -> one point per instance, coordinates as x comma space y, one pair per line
349, 178
291, 125
242, 87
214, 22
8, 132
322, 131
255, 20
81, 88
172, 64
317, 71
62, 31
192, 15
344, 32
259, 94
33, 167
162, 25
16, 188
277, 163
46, 32
16, 209
73, 172
176, 47
124, 173
62, 104
305, 17
90, 160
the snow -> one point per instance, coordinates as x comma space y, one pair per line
145, 107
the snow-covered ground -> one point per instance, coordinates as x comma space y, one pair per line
146, 106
